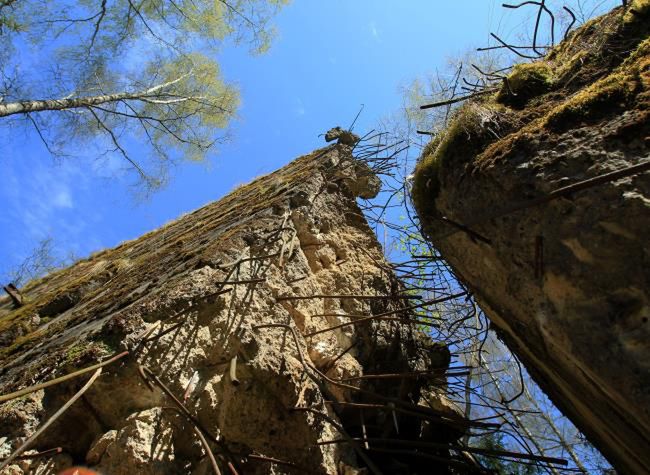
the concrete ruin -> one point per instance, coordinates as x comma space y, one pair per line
229, 309
516, 196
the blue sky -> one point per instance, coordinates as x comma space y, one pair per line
327, 60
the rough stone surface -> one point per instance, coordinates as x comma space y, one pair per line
342, 136
566, 282
296, 232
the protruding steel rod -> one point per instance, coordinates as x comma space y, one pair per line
44, 453
437, 445
360, 297
151, 375
371, 465
208, 450
36, 387
457, 99
14, 294
198, 425
233, 371
371, 319
411, 375
49, 422
264, 458
204, 442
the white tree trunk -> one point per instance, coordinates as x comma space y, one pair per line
155, 92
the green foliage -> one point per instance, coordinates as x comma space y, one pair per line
494, 441
142, 71
200, 96
9, 23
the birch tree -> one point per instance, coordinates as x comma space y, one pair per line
111, 76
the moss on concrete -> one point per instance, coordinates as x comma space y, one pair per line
462, 138
601, 69
527, 80
107, 281
616, 91
85, 351
638, 9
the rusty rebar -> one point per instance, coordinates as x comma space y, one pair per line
573, 20
197, 423
264, 458
14, 294
163, 333
382, 317
446, 460
36, 387
236, 282
44, 453
208, 451
458, 99
461, 227
409, 321
405, 309
284, 243
371, 465
147, 331
511, 48
333, 362
539, 257
476, 450
144, 378
324, 389
204, 442
49, 422
359, 297
415, 409
233, 371
409, 375
151, 375
542, 8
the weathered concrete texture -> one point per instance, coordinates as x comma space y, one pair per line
295, 232
566, 282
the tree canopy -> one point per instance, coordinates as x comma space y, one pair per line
111, 75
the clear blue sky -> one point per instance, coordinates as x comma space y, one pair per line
329, 57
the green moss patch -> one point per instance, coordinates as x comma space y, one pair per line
462, 140
602, 69
613, 92
637, 11
527, 80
